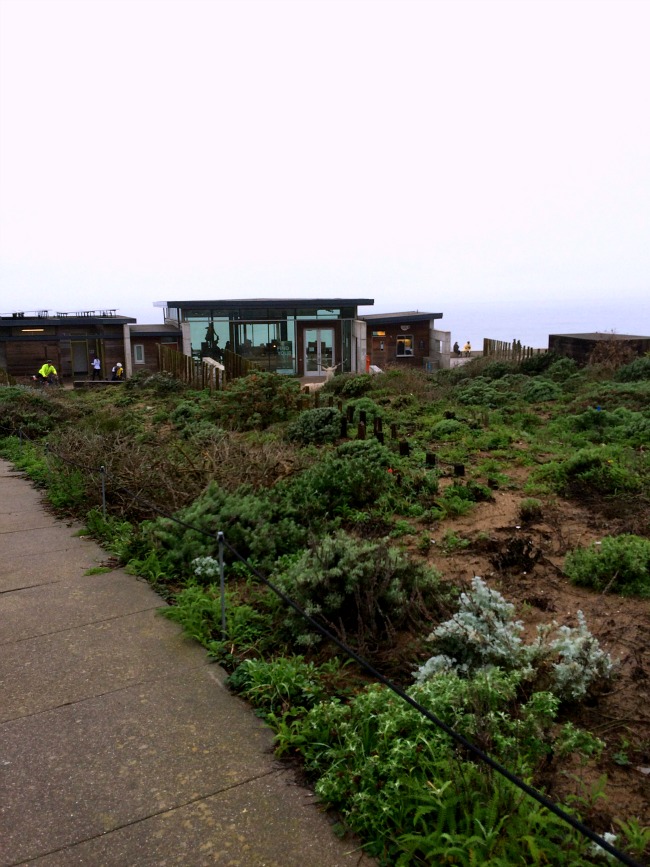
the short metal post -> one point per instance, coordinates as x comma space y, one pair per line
102, 471
222, 585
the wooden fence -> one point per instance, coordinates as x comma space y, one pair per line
509, 351
200, 375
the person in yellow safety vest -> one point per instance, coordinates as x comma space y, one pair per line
48, 373
467, 349
117, 372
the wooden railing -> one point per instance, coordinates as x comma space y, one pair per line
236, 365
509, 351
200, 375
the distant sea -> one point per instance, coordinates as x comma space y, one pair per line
532, 324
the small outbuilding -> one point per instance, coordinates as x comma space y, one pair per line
72, 341
69, 340
582, 348
409, 339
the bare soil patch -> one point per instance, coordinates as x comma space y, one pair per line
524, 563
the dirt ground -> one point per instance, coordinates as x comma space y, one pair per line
524, 563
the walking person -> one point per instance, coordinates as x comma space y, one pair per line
97, 367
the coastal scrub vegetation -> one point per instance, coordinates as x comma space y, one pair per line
534, 476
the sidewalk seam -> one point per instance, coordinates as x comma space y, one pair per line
180, 806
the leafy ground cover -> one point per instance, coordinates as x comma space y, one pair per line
479, 535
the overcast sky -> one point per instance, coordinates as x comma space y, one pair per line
487, 160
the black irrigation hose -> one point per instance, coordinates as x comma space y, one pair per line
576, 824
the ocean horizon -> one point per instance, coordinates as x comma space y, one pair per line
532, 325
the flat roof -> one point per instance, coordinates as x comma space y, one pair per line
23, 319
397, 318
270, 302
602, 335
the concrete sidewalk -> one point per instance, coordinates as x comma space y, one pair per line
119, 744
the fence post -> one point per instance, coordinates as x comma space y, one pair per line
102, 472
222, 586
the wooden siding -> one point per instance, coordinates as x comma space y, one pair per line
419, 331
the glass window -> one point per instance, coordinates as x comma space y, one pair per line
195, 313
404, 345
138, 353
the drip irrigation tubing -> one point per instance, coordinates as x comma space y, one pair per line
484, 757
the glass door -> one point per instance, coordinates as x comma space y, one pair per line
319, 350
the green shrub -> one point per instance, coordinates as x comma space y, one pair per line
29, 412
354, 475
361, 591
316, 426
635, 371
160, 383
512, 383
590, 472
497, 369
365, 404
537, 364
562, 369
185, 411
349, 385
257, 526
530, 510
198, 609
402, 784
457, 499
278, 685
257, 400
618, 564
541, 389
493, 440
480, 392
620, 425
448, 429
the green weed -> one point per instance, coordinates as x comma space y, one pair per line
616, 564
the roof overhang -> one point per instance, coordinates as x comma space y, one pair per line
399, 318
253, 303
